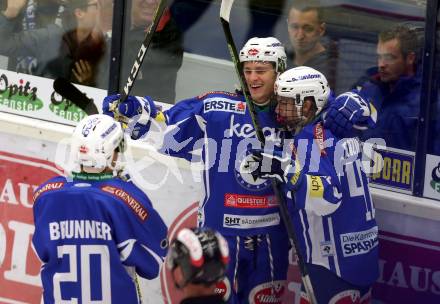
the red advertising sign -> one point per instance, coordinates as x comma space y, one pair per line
410, 270
19, 265
409, 267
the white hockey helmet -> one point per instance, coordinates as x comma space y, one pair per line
268, 49
301, 82
94, 140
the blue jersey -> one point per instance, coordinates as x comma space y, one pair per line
333, 215
92, 236
219, 124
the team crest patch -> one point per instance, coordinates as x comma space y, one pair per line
134, 205
47, 187
244, 166
326, 249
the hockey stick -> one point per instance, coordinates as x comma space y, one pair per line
66, 89
225, 10
139, 59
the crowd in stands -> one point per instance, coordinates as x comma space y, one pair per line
72, 39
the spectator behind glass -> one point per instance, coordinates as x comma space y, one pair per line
394, 88
30, 32
82, 48
306, 29
158, 73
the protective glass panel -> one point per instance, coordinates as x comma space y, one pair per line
434, 129
57, 38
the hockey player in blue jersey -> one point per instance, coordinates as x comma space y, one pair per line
332, 212
95, 231
245, 211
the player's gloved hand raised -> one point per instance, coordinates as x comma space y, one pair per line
269, 165
348, 112
138, 109
132, 106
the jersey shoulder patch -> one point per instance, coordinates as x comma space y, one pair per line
217, 93
139, 210
50, 186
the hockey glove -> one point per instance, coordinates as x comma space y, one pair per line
138, 109
132, 106
347, 112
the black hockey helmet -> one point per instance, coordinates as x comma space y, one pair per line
201, 253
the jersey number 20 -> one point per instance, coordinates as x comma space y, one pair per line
85, 252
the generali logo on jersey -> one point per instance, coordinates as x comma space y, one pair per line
19, 266
134, 205
47, 187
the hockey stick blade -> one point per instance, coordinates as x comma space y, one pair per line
66, 89
225, 9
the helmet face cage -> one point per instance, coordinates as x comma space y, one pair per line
302, 83
202, 255
94, 141
267, 49
290, 110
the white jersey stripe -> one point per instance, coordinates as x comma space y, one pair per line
317, 237
332, 239
308, 257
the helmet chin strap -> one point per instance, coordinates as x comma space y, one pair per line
297, 125
117, 165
